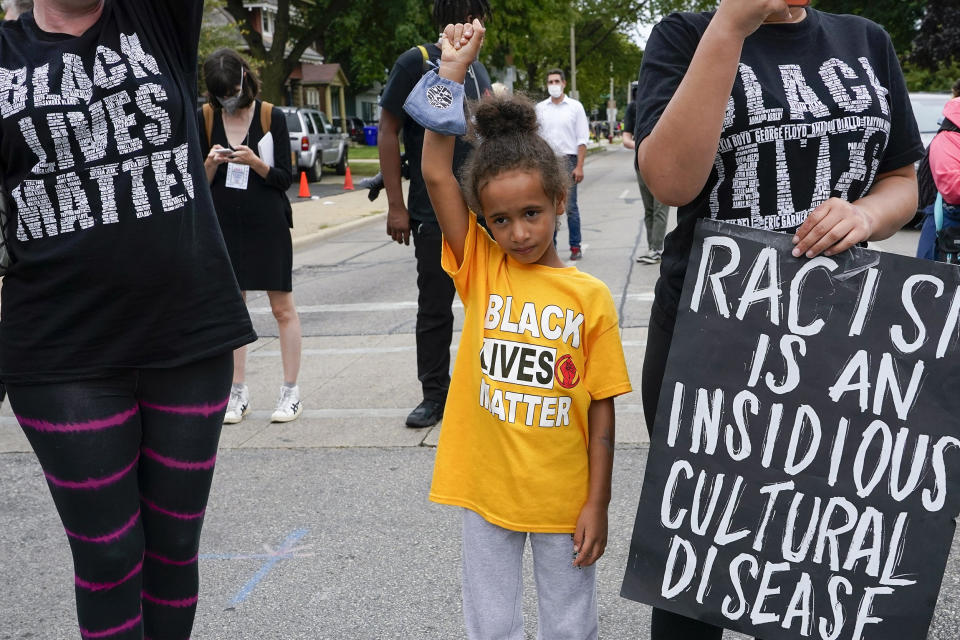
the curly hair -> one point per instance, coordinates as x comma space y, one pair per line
507, 139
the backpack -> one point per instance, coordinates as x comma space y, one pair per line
266, 118
435, 64
925, 185
266, 121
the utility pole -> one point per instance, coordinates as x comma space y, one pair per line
611, 106
573, 63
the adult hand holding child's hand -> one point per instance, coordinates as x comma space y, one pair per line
460, 44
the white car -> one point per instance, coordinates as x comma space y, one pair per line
928, 110
315, 142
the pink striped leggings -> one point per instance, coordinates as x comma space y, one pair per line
129, 460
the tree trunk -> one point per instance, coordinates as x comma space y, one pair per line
533, 77
273, 77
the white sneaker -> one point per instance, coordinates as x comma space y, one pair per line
289, 406
238, 405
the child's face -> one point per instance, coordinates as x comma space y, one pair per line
522, 217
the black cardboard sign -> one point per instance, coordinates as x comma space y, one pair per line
803, 472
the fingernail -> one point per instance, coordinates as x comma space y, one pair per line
810, 253
796, 239
796, 253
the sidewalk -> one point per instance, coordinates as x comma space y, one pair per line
322, 217
314, 219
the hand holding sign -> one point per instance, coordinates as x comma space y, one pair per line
832, 228
804, 474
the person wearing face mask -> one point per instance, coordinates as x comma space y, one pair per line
249, 185
120, 309
563, 123
837, 171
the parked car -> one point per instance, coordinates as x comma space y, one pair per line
355, 129
315, 142
928, 110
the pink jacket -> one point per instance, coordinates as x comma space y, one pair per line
945, 156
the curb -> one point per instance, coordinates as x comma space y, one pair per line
336, 229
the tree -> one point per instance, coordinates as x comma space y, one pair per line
899, 17
298, 26
364, 36
535, 36
938, 35
214, 34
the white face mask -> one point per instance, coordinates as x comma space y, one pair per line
232, 103
555, 90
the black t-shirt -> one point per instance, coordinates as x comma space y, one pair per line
119, 258
405, 75
630, 118
818, 109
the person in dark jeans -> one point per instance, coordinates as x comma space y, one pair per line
416, 217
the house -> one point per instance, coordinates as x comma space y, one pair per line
313, 82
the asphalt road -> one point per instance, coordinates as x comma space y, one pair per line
322, 529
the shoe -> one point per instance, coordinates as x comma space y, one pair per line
427, 414
652, 257
289, 406
575, 253
238, 405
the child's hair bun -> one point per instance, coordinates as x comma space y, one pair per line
505, 115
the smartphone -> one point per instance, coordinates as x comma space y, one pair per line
798, 3
223, 150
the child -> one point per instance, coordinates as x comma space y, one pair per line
527, 440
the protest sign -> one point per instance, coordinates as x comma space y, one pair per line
803, 473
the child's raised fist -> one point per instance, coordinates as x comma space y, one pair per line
460, 43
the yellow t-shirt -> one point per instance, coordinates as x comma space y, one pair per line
538, 344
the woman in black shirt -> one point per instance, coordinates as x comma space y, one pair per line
120, 311
249, 192
712, 85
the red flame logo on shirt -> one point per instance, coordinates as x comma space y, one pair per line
566, 372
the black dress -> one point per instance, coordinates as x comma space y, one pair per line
254, 221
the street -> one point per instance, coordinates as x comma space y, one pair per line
321, 528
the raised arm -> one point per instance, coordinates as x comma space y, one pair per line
461, 44
677, 157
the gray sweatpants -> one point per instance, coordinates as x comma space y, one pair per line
493, 584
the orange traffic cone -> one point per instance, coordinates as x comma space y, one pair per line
304, 187
348, 181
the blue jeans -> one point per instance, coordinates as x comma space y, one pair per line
573, 211
927, 245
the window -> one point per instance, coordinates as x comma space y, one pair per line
369, 111
318, 122
268, 20
293, 122
311, 97
335, 102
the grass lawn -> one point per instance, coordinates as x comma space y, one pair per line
363, 169
363, 152
366, 153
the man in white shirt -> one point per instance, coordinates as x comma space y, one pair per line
563, 124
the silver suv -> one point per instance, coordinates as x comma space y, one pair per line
315, 142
